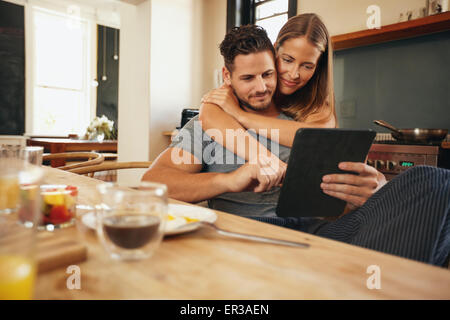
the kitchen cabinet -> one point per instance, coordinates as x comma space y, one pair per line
408, 29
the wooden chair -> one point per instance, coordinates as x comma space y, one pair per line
111, 166
93, 158
110, 156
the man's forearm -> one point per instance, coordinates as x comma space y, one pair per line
189, 187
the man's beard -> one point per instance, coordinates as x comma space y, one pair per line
243, 103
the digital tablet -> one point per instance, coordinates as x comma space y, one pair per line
315, 153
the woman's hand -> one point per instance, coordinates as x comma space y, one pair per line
354, 189
224, 98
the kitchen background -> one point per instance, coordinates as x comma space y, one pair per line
404, 82
168, 58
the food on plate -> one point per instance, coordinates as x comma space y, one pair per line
175, 221
188, 219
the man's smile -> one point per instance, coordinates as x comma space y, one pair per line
260, 95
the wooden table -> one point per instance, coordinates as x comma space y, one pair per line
68, 145
203, 265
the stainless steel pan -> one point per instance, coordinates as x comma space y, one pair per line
415, 134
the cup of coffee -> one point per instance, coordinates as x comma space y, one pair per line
130, 223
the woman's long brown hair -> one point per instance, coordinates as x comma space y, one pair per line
318, 94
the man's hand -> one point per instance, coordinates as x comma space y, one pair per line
257, 177
354, 189
224, 98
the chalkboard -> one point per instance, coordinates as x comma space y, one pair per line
405, 82
108, 90
12, 69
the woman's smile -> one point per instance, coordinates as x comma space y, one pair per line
289, 83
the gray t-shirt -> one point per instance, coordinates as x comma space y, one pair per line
215, 158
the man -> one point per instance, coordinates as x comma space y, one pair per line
196, 168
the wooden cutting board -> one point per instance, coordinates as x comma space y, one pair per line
55, 251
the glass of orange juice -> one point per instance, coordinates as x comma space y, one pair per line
13, 159
9, 193
18, 238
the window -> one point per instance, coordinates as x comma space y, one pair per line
61, 86
269, 14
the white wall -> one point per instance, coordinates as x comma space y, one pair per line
344, 16
134, 89
174, 70
184, 55
160, 73
214, 29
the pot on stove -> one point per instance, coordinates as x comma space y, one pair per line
415, 135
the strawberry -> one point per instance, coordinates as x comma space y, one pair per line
59, 214
45, 219
73, 189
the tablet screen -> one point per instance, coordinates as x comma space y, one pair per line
315, 153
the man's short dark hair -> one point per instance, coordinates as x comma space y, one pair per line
244, 40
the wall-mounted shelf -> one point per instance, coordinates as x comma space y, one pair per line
431, 24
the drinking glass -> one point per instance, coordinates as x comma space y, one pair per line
130, 223
31, 155
9, 185
18, 231
58, 206
14, 158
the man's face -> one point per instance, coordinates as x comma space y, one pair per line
253, 79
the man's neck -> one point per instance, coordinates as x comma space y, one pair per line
271, 111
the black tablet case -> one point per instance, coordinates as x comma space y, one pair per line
315, 153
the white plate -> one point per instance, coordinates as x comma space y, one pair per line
180, 225
176, 226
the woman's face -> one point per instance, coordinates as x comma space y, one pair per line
297, 60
